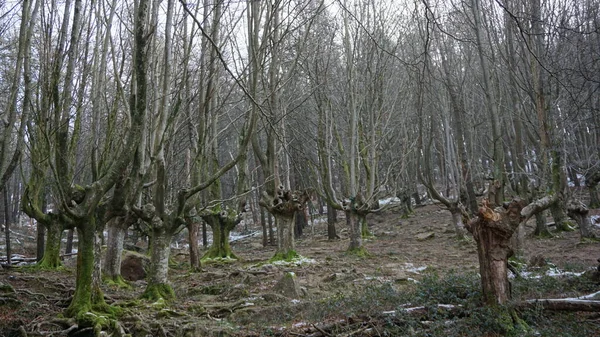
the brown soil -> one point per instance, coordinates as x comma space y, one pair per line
225, 299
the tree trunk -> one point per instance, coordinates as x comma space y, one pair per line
204, 237
51, 259
271, 232
114, 250
459, 227
69, 246
7, 221
580, 213
364, 226
263, 223
541, 228
158, 286
193, 229
331, 220
221, 225
300, 223
355, 232
286, 247
492, 231
40, 243
87, 292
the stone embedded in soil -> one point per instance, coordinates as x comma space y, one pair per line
288, 286
425, 236
332, 277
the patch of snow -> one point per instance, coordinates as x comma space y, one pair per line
595, 220
295, 262
552, 272
412, 269
390, 200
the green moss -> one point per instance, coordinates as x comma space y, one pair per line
155, 292
287, 256
589, 240
117, 282
565, 226
359, 252
214, 254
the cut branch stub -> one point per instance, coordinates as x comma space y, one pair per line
285, 202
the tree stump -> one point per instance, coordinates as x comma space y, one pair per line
492, 230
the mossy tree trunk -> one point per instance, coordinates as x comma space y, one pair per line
54, 230
221, 224
158, 286
88, 295
364, 226
492, 230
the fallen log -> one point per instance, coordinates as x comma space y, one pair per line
562, 304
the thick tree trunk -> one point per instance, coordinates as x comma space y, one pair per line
580, 213
51, 259
459, 227
331, 220
286, 247
114, 250
355, 232
221, 226
492, 230
541, 227
158, 286
87, 292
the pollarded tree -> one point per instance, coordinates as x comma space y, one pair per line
170, 204
266, 46
59, 126
354, 126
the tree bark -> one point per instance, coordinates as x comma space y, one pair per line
116, 237
355, 231
580, 213
193, 229
331, 220
492, 230
87, 292
158, 286
221, 224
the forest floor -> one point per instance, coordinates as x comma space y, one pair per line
413, 265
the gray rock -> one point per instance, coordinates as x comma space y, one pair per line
425, 236
288, 286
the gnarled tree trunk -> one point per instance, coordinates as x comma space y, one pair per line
492, 230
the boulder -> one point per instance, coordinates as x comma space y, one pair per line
134, 266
